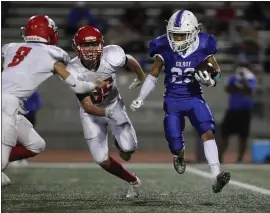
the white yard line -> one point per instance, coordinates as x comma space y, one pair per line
190, 169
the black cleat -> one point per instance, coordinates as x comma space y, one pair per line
222, 180
179, 163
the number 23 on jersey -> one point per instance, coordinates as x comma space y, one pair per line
180, 75
21, 53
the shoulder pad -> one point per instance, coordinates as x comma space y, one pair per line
114, 55
157, 45
58, 53
209, 43
74, 60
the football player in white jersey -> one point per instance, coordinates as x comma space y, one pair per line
104, 108
25, 66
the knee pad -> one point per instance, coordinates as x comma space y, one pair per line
41, 146
37, 146
173, 126
98, 149
176, 145
127, 140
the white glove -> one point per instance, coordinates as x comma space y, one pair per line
204, 78
136, 104
136, 82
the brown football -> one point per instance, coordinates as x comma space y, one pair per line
205, 65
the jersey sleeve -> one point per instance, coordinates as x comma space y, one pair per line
211, 45
153, 48
115, 56
156, 46
58, 54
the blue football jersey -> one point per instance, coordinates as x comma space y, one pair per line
179, 68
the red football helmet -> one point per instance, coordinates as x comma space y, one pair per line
88, 43
40, 29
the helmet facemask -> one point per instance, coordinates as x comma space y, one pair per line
54, 33
181, 40
90, 52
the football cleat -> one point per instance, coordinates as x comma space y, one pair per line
133, 191
222, 179
5, 180
178, 163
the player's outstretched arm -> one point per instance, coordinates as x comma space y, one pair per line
76, 85
134, 65
149, 84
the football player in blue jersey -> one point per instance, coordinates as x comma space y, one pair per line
181, 52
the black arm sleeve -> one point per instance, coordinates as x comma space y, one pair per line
82, 96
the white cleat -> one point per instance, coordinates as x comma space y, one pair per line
5, 180
133, 191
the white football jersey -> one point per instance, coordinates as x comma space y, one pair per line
27, 65
113, 58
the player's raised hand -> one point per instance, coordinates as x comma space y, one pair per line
136, 104
136, 82
204, 78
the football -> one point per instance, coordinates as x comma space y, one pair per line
205, 65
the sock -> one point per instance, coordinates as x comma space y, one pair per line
117, 169
19, 152
211, 154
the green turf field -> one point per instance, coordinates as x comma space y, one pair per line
82, 188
